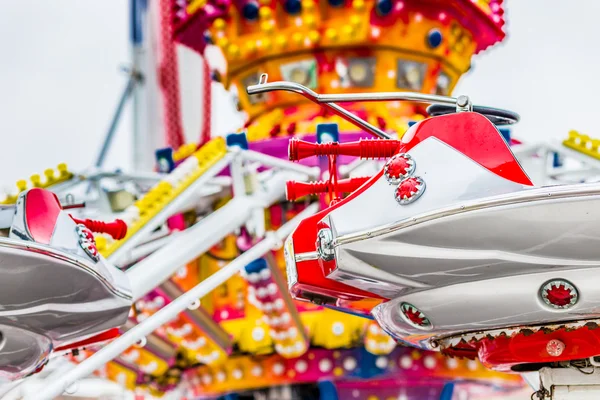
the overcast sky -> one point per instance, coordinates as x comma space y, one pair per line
60, 79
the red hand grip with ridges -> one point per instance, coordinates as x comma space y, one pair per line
116, 229
364, 148
296, 190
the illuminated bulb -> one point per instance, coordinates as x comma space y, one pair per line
272, 288
265, 273
233, 50
261, 292
406, 362
375, 32
472, 365
159, 301
267, 307
452, 363
297, 38
308, 5
292, 332
278, 304
265, 12
280, 41
256, 370
347, 30
267, 26
429, 362
301, 366
250, 48
331, 34
300, 347
182, 272
314, 36
325, 365
219, 24
149, 368
258, 334
374, 329
121, 378
278, 369
221, 376
206, 379
442, 16
349, 363
310, 21
355, 20
285, 318
132, 356
337, 328
418, 18
237, 374
358, 5
381, 362
222, 42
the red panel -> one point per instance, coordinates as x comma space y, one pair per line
310, 273
42, 209
477, 138
99, 338
503, 352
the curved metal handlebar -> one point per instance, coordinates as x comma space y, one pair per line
462, 103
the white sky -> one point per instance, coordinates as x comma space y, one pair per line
60, 79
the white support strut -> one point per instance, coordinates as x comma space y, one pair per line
56, 385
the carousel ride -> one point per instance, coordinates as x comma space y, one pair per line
324, 250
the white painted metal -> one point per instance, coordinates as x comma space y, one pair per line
170, 209
159, 266
274, 162
56, 385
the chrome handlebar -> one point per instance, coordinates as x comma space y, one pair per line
462, 103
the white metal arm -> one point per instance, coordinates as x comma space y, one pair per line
56, 385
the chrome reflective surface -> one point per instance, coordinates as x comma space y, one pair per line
473, 252
22, 352
53, 295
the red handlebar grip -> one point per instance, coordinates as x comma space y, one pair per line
117, 229
364, 148
296, 190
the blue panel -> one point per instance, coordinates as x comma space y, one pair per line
164, 160
327, 390
505, 134
237, 139
328, 133
137, 11
256, 266
447, 391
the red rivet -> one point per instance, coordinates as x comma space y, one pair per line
399, 167
559, 294
555, 347
409, 190
414, 317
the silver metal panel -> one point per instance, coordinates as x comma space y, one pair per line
49, 291
377, 206
21, 352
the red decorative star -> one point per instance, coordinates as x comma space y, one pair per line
398, 166
559, 295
